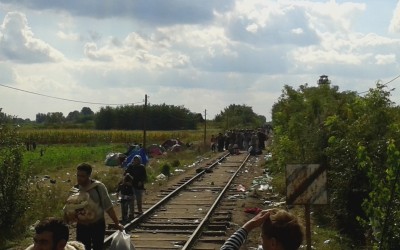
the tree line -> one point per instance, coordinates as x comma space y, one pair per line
151, 117
356, 138
128, 117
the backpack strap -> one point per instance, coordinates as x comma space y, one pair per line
98, 193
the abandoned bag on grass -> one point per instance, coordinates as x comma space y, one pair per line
121, 241
80, 208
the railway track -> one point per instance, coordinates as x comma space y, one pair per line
193, 214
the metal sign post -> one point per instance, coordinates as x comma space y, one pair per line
306, 185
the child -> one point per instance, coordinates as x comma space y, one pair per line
125, 190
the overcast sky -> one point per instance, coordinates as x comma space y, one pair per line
203, 55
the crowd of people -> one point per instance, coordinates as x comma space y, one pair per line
236, 140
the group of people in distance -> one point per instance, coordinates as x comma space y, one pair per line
241, 139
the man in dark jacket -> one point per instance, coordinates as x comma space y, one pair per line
138, 171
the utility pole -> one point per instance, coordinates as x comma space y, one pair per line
205, 127
144, 120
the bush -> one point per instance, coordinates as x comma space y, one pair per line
166, 170
13, 182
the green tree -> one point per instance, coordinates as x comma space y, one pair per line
382, 205
158, 117
104, 119
239, 116
55, 118
41, 118
50, 118
86, 111
325, 126
73, 116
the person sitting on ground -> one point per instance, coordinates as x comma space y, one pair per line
53, 234
280, 230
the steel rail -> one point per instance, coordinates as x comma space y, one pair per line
198, 230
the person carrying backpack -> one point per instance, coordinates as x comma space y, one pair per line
92, 234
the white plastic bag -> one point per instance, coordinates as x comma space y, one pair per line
122, 241
80, 207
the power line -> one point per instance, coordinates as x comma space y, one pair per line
392, 80
70, 100
385, 84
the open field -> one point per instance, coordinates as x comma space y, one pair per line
74, 136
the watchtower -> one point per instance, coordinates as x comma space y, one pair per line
323, 80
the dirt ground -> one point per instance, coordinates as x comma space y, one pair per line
254, 198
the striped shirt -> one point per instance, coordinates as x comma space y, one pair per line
236, 240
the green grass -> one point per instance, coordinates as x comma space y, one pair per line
58, 157
328, 239
80, 136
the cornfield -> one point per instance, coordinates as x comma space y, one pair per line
76, 136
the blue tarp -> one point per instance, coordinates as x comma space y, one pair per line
140, 152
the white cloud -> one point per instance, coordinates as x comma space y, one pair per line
93, 53
385, 59
275, 23
394, 26
298, 31
68, 36
17, 42
253, 28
